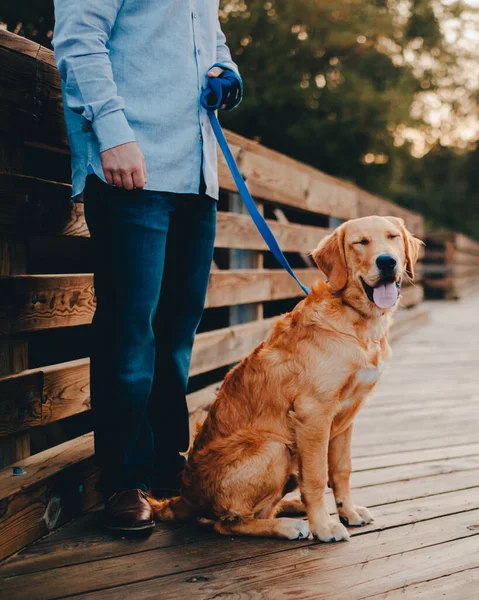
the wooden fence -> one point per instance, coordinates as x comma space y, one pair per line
47, 297
451, 265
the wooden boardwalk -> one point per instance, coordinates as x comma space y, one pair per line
416, 459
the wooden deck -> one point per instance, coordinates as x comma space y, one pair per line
416, 459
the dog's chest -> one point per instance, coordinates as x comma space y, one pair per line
369, 375
359, 385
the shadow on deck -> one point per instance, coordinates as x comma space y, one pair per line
416, 458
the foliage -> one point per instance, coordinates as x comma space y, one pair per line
380, 92
346, 86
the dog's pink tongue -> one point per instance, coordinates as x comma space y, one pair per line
386, 295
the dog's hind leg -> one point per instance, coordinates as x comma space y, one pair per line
290, 507
290, 529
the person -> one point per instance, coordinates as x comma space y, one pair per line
144, 154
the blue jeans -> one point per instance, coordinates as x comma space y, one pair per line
153, 254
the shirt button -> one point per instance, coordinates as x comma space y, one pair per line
200, 137
199, 51
195, 15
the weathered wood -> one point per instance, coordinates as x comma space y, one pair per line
466, 244
39, 207
411, 295
20, 402
282, 218
242, 286
463, 585
239, 231
428, 491
94, 544
25, 47
458, 273
40, 396
244, 259
59, 483
212, 555
37, 302
280, 577
414, 456
13, 359
223, 347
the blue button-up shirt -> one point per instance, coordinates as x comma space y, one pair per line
134, 70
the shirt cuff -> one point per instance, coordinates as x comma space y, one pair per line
233, 69
112, 130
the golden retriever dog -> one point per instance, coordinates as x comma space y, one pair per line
285, 413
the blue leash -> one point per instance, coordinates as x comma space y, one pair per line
210, 94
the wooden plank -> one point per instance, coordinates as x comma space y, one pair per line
408, 457
307, 259
204, 397
163, 554
44, 207
466, 244
59, 484
61, 549
244, 259
25, 47
14, 358
38, 302
20, 403
223, 347
285, 574
55, 392
464, 258
39, 207
411, 295
59, 391
239, 231
274, 177
463, 584
407, 320
263, 568
242, 286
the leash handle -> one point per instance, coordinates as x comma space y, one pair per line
208, 102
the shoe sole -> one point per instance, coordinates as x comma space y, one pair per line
125, 528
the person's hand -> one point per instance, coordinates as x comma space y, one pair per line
216, 72
124, 166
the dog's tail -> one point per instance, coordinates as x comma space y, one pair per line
171, 509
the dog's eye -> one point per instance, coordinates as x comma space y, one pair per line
363, 242
391, 236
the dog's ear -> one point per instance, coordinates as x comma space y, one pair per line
411, 245
330, 258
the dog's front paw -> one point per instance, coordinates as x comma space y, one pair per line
356, 516
331, 531
292, 529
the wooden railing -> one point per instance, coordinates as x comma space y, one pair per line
451, 265
47, 296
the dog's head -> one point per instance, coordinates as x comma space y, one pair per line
366, 259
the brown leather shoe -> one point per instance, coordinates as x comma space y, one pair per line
128, 511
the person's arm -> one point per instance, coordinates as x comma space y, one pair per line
82, 30
224, 61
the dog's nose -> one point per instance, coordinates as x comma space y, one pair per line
385, 262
